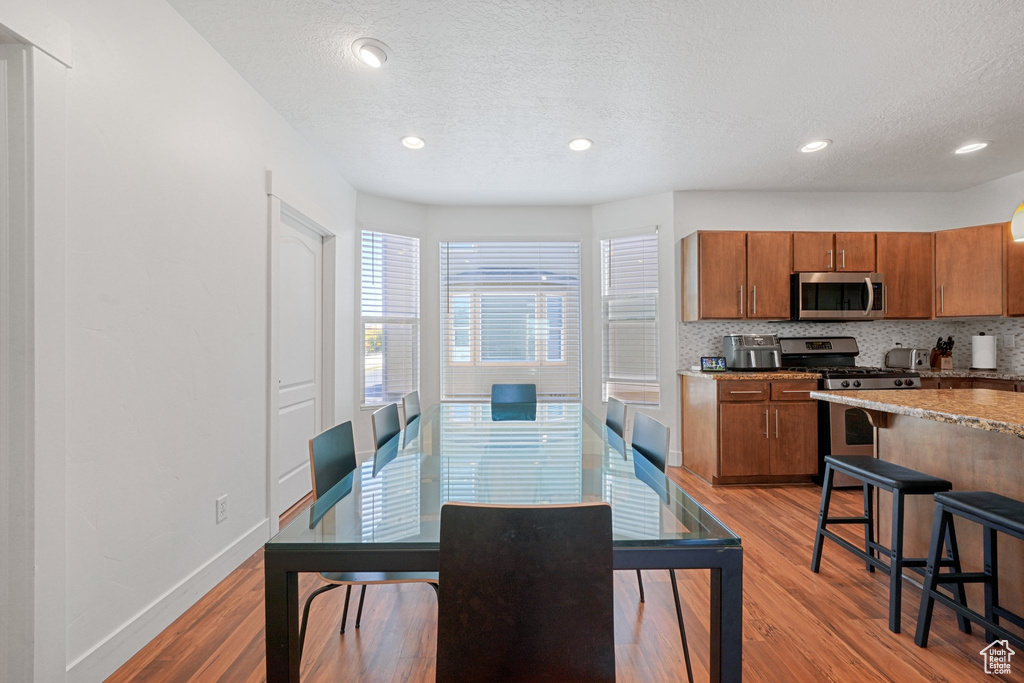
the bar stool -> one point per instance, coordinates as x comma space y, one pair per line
996, 514
901, 482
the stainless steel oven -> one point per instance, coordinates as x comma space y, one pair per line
837, 296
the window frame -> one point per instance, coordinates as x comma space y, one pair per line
382, 320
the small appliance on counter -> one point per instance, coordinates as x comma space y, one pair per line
942, 354
907, 358
752, 352
983, 352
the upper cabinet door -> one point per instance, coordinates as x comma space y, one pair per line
813, 252
714, 275
855, 252
723, 274
969, 271
769, 265
1014, 275
905, 260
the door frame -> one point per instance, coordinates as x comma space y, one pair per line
307, 217
33, 377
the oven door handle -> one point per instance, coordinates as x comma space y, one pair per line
871, 296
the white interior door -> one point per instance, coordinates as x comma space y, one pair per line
300, 357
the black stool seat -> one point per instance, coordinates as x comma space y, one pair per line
994, 509
888, 475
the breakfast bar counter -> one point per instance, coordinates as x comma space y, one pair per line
972, 437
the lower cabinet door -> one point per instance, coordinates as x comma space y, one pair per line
743, 439
794, 438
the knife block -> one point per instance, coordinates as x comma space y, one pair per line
943, 363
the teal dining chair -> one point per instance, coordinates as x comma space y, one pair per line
385, 425
332, 457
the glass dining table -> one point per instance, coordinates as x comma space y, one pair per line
385, 515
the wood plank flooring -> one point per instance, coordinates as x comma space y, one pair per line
798, 626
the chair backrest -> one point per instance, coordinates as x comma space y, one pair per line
513, 393
525, 593
411, 406
650, 439
385, 425
332, 456
616, 416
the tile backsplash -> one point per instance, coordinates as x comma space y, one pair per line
704, 338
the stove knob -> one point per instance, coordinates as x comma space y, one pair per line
845, 384
899, 383
909, 383
856, 382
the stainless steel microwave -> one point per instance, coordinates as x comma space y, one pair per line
837, 296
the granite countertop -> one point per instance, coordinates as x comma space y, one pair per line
988, 409
973, 374
764, 375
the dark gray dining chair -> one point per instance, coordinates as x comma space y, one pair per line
526, 593
651, 441
615, 417
411, 406
385, 425
332, 457
513, 402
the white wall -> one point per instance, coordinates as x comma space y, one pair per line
992, 202
167, 272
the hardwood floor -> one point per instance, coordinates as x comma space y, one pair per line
798, 626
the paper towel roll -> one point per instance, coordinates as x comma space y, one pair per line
983, 352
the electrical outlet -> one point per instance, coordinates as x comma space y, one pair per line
222, 508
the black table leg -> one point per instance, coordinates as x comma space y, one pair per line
727, 617
281, 597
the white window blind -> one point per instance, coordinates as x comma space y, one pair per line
510, 313
390, 300
629, 318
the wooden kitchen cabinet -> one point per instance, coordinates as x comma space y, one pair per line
907, 264
855, 252
744, 439
749, 431
794, 446
1014, 274
769, 265
714, 275
813, 252
969, 271
994, 384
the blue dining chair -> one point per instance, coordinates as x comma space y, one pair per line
513, 402
615, 417
651, 441
526, 593
411, 406
385, 425
332, 457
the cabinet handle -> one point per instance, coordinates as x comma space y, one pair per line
741, 301
776, 423
753, 298
766, 423
830, 263
842, 255
796, 391
745, 392
942, 298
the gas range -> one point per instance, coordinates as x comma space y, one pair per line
834, 358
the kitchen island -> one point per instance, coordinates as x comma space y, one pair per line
972, 437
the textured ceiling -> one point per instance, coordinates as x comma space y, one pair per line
676, 94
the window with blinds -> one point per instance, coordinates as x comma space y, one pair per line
390, 305
510, 313
629, 318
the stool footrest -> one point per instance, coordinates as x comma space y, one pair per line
990, 626
963, 577
846, 520
1004, 613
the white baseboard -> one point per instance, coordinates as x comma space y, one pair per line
675, 458
118, 647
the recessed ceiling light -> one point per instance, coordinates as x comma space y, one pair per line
815, 146
413, 142
973, 147
371, 52
580, 144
